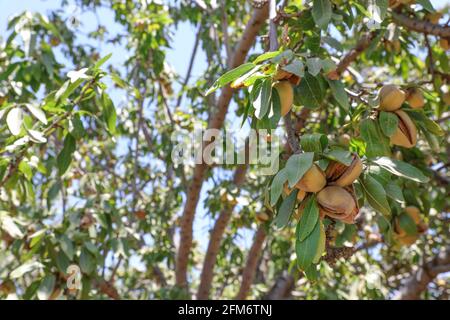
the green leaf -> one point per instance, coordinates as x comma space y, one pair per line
274, 115
314, 65
37, 112
25, 168
388, 123
265, 56
315, 142
407, 223
306, 250
295, 67
340, 155
8, 225
426, 4
375, 195
308, 219
286, 55
67, 89
322, 243
91, 247
426, 122
67, 246
65, 156
322, 12
36, 136
377, 143
339, 93
263, 100
332, 42
309, 92
312, 272
76, 127
87, 263
37, 237
109, 113
31, 290
62, 262
297, 165
102, 61
402, 169
285, 211
14, 120
394, 192
277, 186
46, 287
25, 268
230, 76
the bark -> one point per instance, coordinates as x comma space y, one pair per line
252, 261
107, 288
251, 30
216, 239
282, 287
419, 281
351, 56
421, 26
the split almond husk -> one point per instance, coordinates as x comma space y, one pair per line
342, 175
338, 203
406, 133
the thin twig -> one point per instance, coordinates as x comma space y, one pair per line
191, 64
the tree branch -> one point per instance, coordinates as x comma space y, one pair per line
191, 64
351, 56
252, 261
419, 281
421, 26
216, 239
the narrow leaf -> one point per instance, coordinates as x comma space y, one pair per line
37, 112
375, 195
402, 169
65, 156
306, 250
285, 211
277, 186
297, 165
308, 219
230, 76
339, 93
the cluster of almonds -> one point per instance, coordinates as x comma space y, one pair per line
391, 100
334, 188
401, 236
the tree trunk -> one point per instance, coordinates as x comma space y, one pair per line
252, 262
282, 287
216, 239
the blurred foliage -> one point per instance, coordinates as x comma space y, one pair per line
87, 178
